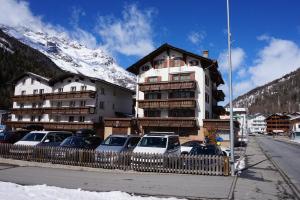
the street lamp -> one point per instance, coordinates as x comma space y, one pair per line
230, 93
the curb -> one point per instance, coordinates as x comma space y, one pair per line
231, 192
294, 188
287, 141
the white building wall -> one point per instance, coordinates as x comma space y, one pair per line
257, 124
164, 74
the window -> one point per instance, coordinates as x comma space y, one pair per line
20, 118
73, 89
101, 105
22, 105
151, 113
23, 92
57, 118
81, 118
159, 64
145, 68
206, 80
182, 94
35, 91
178, 61
40, 118
58, 104
181, 77
76, 80
41, 91
206, 98
71, 118
194, 62
83, 88
40, 104
32, 118
72, 104
82, 103
206, 114
60, 90
152, 79
173, 143
102, 91
153, 95
24, 81
32, 81
181, 113
33, 105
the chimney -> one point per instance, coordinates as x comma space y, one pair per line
205, 53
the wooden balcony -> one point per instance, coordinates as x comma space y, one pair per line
54, 96
218, 95
168, 103
219, 110
166, 85
167, 122
55, 111
71, 95
117, 122
53, 125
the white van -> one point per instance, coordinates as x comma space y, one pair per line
159, 144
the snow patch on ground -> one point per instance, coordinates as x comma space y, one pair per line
11, 191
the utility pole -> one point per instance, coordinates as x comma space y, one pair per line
230, 94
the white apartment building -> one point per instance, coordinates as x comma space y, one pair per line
240, 115
67, 102
257, 123
176, 90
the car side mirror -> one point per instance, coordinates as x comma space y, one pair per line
47, 140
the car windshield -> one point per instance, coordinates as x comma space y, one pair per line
73, 142
158, 142
115, 141
37, 137
205, 151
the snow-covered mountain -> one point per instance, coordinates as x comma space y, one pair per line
69, 55
280, 95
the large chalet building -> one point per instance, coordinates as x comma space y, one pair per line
176, 90
67, 102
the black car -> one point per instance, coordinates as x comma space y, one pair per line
12, 136
85, 133
81, 142
206, 150
55, 138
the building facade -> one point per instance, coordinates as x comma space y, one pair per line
257, 123
68, 102
278, 123
240, 115
176, 90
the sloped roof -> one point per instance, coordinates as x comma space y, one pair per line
205, 62
36, 76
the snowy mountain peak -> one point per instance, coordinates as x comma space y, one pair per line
72, 56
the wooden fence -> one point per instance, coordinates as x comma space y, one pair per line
184, 164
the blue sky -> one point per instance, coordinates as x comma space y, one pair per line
265, 34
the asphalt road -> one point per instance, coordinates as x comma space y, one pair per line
286, 155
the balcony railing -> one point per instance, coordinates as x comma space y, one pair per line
52, 125
218, 95
53, 96
166, 85
118, 122
55, 110
168, 122
168, 103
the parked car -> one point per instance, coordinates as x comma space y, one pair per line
12, 136
159, 144
54, 139
76, 142
206, 150
119, 143
187, 146
226, 151
81, 142
115, 144
38, 137
85, 132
